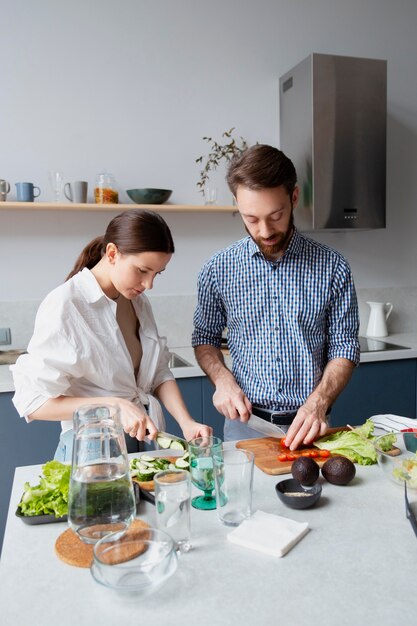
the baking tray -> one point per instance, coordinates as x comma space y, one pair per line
33, 520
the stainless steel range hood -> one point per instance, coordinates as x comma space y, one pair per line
333, 112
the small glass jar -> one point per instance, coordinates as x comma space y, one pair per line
105, 190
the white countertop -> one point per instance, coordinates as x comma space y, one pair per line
355, 566
408, 340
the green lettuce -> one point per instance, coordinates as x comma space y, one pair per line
357, 444
50, 496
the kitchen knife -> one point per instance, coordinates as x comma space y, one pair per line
264, 427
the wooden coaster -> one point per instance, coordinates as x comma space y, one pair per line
70, 549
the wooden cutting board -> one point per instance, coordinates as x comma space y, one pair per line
267, 449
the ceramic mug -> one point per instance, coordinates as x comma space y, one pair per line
4, 189
26, 192
76, 191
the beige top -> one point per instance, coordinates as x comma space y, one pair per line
129, 325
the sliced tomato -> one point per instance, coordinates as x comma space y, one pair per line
291, 457
282, 457
284, 443
305, 453
314, 454
324, 453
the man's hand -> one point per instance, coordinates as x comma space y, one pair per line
310, 421
308, 424
230, 400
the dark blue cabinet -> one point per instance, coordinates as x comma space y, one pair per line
198, 396
21, 444
191, 392
377, 387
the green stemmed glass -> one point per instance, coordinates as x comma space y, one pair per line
202, 450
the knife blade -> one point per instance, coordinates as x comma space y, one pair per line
264, 427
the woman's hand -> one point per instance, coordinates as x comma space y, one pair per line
136, 421
193, 429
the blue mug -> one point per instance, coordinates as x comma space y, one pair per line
26, 192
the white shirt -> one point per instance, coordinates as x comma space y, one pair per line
78, 350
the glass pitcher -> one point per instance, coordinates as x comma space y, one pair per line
101, 498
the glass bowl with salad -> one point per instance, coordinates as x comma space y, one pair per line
399, 463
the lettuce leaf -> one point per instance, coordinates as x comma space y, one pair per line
50, 496
354, 445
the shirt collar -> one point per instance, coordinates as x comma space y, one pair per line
293, 248
88, 285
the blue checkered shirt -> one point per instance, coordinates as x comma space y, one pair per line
285, 320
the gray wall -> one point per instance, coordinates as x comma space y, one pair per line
133, 86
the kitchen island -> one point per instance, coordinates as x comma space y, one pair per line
357, 565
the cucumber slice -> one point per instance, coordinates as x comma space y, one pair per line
185, 455
145, 476
172, 466
182, 464
146, 457
176, 445
164, 442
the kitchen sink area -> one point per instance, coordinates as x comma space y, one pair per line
176, 360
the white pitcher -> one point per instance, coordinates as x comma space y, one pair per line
377, 325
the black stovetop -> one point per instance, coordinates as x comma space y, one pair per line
368, 344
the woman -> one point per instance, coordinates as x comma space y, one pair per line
95, 338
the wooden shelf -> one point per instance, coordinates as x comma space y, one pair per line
68, 206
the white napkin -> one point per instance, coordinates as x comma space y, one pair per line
268, 533
393, 422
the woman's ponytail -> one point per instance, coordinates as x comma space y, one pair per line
89, 257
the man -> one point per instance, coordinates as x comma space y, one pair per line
289, 305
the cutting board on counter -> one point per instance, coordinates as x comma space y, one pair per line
267, 449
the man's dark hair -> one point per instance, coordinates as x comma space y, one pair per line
261, 167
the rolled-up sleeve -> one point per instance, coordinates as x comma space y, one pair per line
45, 372
210, 317
343, 317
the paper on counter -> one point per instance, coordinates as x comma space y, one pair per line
268, 533
393, 422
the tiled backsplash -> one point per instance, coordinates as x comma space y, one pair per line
174, 315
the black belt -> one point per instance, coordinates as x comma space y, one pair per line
275, 417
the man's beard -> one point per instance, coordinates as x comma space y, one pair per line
280, 245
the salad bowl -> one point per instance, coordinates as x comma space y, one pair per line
400, 463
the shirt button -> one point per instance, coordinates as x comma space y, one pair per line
280, 390
278, 358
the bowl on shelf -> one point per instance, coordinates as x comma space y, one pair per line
138, 562
294, 495
400, 463
149, 195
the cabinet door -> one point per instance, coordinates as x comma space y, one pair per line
210, 415
191, 392
375, 388
21, 444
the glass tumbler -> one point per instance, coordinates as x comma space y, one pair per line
172, 500
101, 498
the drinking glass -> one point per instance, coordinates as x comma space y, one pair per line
172, 500
210, 195
101, 498
234, 478
202, 451
56, 181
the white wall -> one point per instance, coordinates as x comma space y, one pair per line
134, 85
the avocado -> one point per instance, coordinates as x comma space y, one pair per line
305, 470
338, 470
